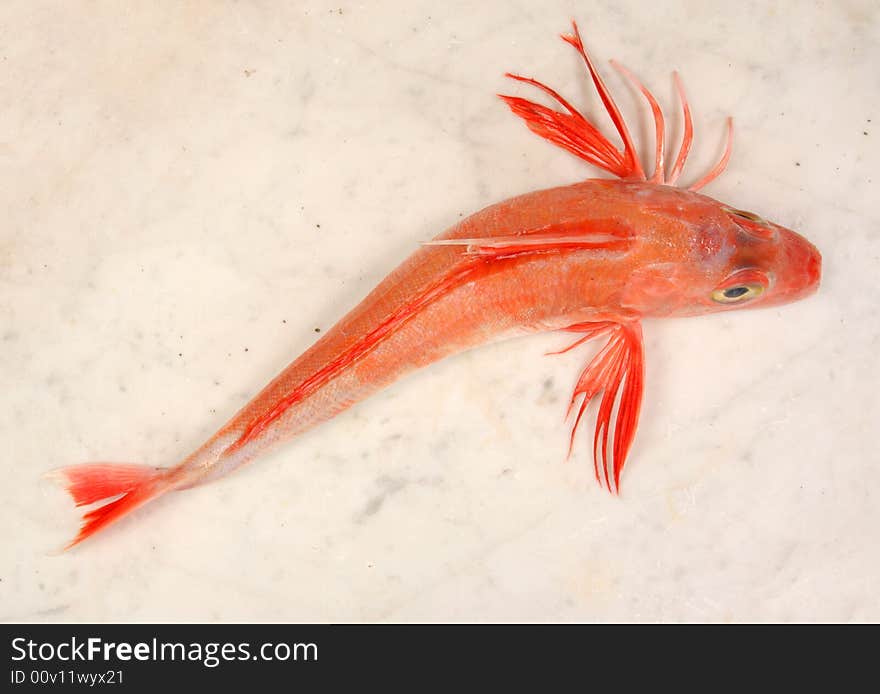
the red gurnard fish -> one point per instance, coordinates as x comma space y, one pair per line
592, 258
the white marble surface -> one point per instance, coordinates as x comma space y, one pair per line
191, 189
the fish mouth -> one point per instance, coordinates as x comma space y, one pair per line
814, 266
810, 260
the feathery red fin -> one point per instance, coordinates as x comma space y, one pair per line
571, 130
618, 368
95, 482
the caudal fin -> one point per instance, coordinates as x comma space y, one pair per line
94, 483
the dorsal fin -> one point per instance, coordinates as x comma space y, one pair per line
571, 130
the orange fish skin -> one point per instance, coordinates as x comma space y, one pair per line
592, 258
684, 245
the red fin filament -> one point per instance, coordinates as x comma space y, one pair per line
659, 123
687, 136
358, 350
571, 130
718, 169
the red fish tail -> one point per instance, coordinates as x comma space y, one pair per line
92, 483
570, 130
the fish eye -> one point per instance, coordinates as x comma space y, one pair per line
742, 214
738, 293
752, 223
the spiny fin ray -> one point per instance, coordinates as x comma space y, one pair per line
570, 130
617, 369
599, 235
93, 483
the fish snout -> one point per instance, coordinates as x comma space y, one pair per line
799, 268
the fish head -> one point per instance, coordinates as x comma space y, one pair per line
770, 264
722, 259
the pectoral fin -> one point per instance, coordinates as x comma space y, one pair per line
618, 368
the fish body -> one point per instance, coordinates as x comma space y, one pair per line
593, 258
